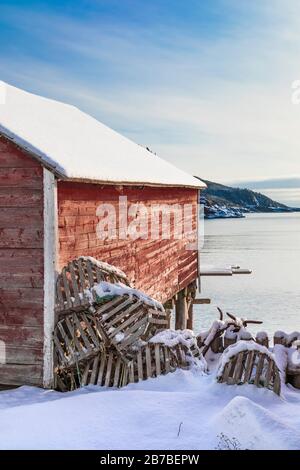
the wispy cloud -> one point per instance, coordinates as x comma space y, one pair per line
270, 183
211, 94
286, 190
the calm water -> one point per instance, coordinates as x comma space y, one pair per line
269, 244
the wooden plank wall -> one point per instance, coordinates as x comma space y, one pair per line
158, 267
21, 265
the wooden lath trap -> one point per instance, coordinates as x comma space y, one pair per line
104, 335
253, 366
244, 359
74, 284
106, 340
110, 369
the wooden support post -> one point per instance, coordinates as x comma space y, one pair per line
168, 315
201, 301
262, 338
190, 298
189, 324
181, 310
228, 341
279, 338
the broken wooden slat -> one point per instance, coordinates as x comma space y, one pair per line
249, 366
233, 364
69, 349
94, 371
75, 289
269, 372
117, 373
167, 359
238, 368
120, 317
226, 372
277, 382
99, 276
89, 269
84, 378
135, 333
156, 321
75, 340
61, 352
125, 301
135, 325
131, 372
105, 308
90, 329
81, 276
181, 355
59, 296
140, 365
259, 369
125, 376
67, 292
109, 369
131, 319
148, 362
101, 370
83, 336
157, 359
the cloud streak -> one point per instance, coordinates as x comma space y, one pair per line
211, 96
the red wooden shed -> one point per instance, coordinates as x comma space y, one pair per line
61, 173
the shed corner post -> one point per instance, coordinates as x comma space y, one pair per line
50, 268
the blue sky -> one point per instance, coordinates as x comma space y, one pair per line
205, 84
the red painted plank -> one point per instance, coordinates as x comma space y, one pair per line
13, 217
21, 238
21, 374
21, 197
159, 267
21, 177
21, 265
13, 157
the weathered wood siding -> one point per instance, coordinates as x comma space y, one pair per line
21, 265
159, 267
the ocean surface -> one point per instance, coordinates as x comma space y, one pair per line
269, 244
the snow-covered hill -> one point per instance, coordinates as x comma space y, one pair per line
222, 201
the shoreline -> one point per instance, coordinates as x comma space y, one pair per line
234, 213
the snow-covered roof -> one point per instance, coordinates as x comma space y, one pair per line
78, 147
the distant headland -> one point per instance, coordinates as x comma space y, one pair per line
222, 201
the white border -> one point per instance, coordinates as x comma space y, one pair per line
50, 267
199, 239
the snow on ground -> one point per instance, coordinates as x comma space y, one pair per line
183, 410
